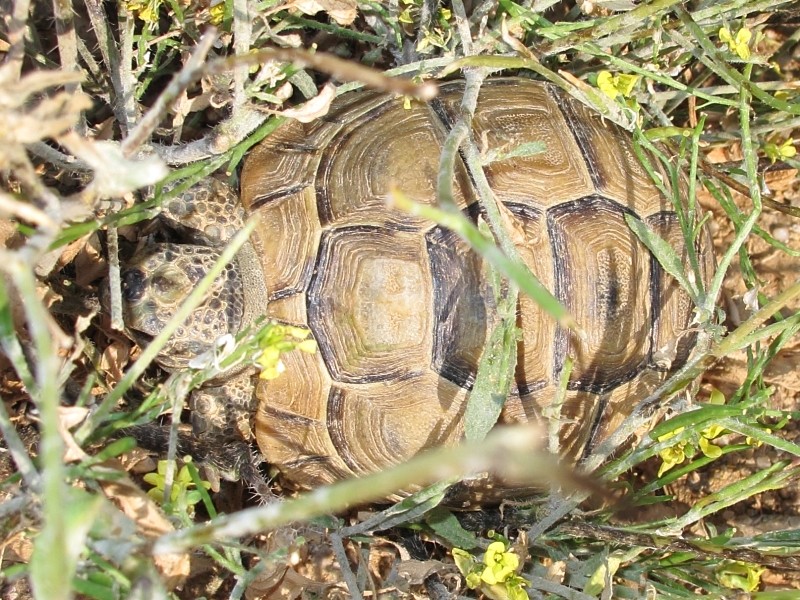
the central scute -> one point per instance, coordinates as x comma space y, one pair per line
370, 306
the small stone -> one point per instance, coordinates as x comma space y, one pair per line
781, 234
763, 462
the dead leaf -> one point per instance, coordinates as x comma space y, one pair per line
780, 180
284, 584
315, 108
114, 359
115, 174
414, 572
150, 521
727, 153
342, 11
17, 548
9, 236
90, 264
69, 417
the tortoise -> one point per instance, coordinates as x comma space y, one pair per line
401, 307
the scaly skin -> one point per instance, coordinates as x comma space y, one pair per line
156, 281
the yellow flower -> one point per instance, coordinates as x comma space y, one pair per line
674, 455
216, 13
739, 43
708, 434
737, 575
496, 578
671, 457
783, 151
146, 10
500, 563
612, 86
473, 580
709, 449
275, 341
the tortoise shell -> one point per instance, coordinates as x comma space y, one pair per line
400, 307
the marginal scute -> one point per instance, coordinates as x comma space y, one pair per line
671, 341
371, 429
288, 239
623, 398
291, 426
282, 164
571, 424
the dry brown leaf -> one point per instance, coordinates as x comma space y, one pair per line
315, 108
69, 417
414, 572
17, 548
780, 180
114, 359
726, 153
150, 522
90, 264
284, 584
61, 341
8, 233
342, 11
138, 461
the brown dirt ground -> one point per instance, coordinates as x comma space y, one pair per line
773, 510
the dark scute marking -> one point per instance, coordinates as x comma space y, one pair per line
527, 387
687, 341
524, 211
265, 199
284, 293
390, 375
283, 416
596, 424
297, 147
608, 385
315, 307
532, 214
365, 229
301, 464
582, 136
438, 108
458, 306
564, 292
133, 285
655, 295
335, 423
310, 464
323, 175
309, 268
610, 297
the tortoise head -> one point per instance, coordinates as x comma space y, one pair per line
156, 281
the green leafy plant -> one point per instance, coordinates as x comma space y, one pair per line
183, 494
